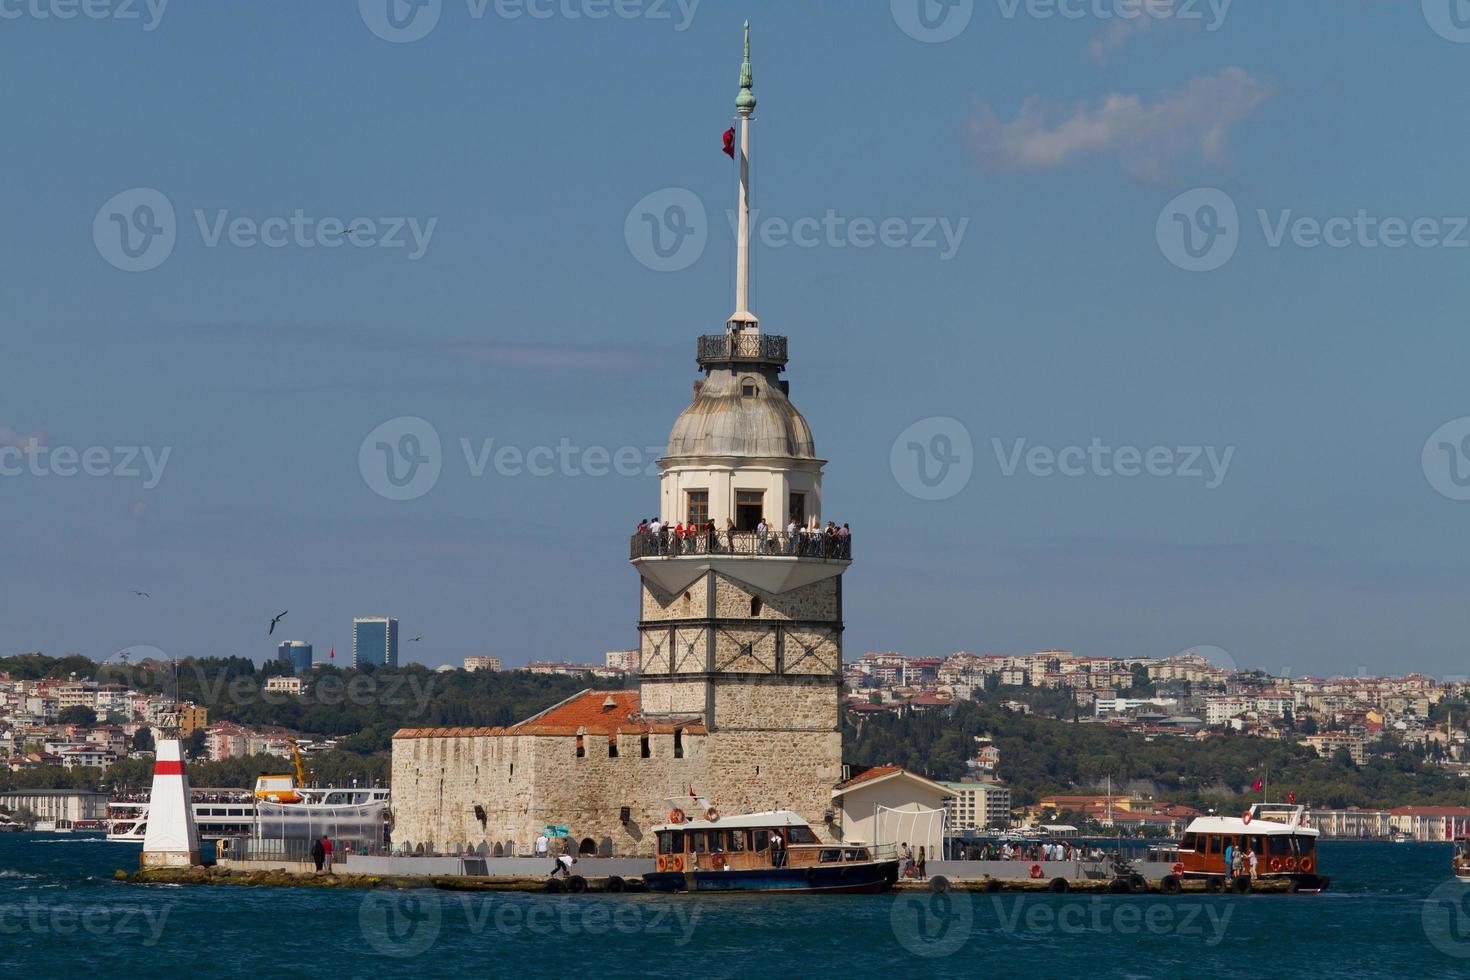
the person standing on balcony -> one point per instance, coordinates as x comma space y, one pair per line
761, 530
844, 542
710, 538
730, 534
791, 529
656, 531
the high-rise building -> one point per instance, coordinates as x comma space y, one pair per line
297, 653
375, 641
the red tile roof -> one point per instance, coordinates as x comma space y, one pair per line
589, 713
877, 772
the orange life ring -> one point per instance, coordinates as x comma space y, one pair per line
717, 861
1178, 868
1291, 864
712, 814
1036, 871
676, 863
1305, 864
661, 862
1245, 817
676, 815
1275, 864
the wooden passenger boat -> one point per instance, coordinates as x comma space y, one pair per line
1284, 846
774, 851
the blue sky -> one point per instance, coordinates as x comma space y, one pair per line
526, 312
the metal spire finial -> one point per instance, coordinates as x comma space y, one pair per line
745, 101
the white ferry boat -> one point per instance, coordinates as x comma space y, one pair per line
358, 813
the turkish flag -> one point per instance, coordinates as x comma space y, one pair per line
730, 142
332, 654
1291, 797
1256, 787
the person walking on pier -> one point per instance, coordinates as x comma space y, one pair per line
563, 865
327, 853
318, 854
1229, 858
922, 875
542, 843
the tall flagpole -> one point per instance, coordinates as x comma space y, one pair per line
744, 106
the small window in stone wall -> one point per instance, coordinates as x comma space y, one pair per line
643, 746
755, 605
581, 748
612, 746
678, 743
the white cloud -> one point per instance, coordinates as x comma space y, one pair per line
1144, 136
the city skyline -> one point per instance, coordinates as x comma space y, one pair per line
966, 275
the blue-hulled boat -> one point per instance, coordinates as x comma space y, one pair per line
775, 851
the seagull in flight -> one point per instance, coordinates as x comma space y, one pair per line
414, 639
143, 594
274, 621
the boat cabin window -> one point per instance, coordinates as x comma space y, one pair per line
858, 855
800, 835
1187, 844
671, 842
762, 840
737, 839
1279, 845
696, 842
829, 855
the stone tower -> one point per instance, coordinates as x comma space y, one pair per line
739, 629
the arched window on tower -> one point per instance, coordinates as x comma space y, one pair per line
748, 388
755, 605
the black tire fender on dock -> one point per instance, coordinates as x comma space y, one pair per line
992, 885
810, 874
1293, 885
1241, 885
576, 884
1170, 885
939, 883
1138, 885
554, 886
615, 884
1214, 885
1118, 886
1059, 885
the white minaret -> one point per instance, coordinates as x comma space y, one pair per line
172, 839
743, 319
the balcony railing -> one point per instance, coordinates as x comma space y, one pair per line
743, 544
764, 348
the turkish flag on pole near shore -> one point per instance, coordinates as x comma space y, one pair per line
730, 142
332, 653
1256, 787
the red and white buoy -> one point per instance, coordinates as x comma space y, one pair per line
172, 839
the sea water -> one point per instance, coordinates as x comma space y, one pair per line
1393, 911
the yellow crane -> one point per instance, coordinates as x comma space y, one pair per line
283, 789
